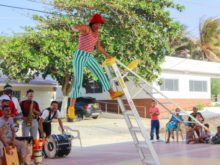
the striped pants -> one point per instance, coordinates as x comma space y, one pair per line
83, 59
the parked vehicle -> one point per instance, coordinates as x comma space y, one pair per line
87, 107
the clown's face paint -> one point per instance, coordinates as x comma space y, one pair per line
95, 27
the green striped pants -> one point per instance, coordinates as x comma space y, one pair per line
83, 59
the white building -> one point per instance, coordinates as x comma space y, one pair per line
44, 90
186, 81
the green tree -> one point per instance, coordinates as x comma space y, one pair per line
132, 30
210, 39
215, 89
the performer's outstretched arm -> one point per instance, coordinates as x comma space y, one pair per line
102, 50
81, 28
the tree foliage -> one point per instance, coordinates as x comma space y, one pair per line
206, 47
215, 89
132, 30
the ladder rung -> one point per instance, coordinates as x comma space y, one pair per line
153, 92
142, 145
135, 129
129, 113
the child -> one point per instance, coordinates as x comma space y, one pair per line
190, 137
205, 135
155, 124
216, 138
197, 127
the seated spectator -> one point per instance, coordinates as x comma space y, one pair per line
7, 135
197, 115
216, 138
205, 135
197, 126
190, 137
173, 123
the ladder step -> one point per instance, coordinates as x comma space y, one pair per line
142, 145
154, 92
129, 113
135, 129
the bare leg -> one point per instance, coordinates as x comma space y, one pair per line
168, 138
72, 102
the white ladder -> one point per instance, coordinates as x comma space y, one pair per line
145, 149
152, 92
137, 80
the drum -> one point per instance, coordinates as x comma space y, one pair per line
58, 145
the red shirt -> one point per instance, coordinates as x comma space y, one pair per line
26, 105
153, 110
12, 108
87, 42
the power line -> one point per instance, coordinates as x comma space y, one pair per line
29, 9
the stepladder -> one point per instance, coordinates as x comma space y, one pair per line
118, 73
144, 147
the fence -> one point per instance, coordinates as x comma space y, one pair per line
114, 107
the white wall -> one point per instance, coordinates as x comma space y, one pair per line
211, 69
184, 85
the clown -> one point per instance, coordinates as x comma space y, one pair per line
88, 40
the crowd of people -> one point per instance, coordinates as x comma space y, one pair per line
197, 131
36, 123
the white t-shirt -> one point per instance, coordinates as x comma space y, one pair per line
46, 112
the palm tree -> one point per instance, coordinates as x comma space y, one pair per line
209, 41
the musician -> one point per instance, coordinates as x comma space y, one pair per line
31, 112
46, 118
13, 102
7, 136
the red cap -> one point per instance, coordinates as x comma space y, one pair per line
97, 18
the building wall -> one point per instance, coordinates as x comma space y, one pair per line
183, 91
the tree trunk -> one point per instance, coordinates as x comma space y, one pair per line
64, 106
66, 87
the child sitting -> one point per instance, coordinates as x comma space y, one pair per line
190, 137
205, 135
216, 138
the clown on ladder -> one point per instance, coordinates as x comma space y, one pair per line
88, 40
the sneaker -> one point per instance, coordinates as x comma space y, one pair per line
71, 113
116, 94
151, 140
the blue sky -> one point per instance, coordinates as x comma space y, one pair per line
12, 20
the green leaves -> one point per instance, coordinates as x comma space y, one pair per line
134, 29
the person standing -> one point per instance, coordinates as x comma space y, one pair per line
155, 124
46, 118
31, 112
88, 40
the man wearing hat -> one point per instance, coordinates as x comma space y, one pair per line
13, 101
88, 40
